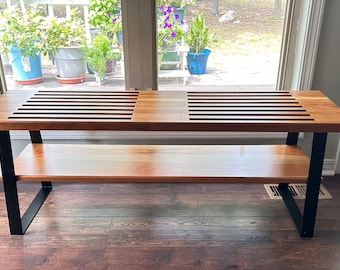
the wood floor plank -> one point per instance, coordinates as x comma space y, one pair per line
169, 226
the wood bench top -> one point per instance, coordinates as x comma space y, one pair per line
282, 111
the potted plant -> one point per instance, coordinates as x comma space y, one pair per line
65, 38
105, 16
198, 38
20, 36
170, 32
101, 55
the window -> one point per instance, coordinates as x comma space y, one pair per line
244, 40
295, 71
302, 28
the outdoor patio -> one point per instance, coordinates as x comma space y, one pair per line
240, 74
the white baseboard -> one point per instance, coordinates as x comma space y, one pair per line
329, 166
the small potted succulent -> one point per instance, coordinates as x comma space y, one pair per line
102, 56
198, 38
20, 36
65, 38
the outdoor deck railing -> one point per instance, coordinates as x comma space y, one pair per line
50, 3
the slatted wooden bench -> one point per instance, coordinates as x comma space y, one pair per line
283, 111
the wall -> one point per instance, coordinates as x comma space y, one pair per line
327, 69
326, 75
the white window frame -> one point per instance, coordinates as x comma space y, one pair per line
300, 44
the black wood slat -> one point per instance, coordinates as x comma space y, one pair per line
251, 117
243, 93
75, 108
237, 101
64, 97
71, 116
80, 112
252, 113
251, 99
263, 106
78, 105
85, 93
245, 105
82, 100
246, 109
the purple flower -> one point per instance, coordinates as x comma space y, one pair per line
170, 24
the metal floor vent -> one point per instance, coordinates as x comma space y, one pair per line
298, 191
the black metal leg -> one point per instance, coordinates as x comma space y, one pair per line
291, 205
36, 138
40, 198
292, 138
287, 196
10, 184
34, 207
305, 222
313, 184
17, 224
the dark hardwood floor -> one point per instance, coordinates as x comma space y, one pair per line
169, 226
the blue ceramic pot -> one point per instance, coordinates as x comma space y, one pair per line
197, 62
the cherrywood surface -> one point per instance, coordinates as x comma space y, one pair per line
163, 163
169, 110
168, 226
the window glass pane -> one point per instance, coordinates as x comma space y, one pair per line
94, 29
244, 43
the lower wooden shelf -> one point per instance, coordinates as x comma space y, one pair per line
162, 163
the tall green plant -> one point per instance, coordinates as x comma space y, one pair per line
198, 36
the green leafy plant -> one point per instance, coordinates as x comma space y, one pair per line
198, 35
64, 32
23, 29
99, 52
105, 14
